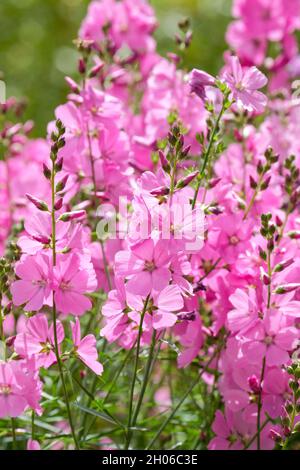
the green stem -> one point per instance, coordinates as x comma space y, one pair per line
254, 196
13, 431
181, 401
259, 404
32, 425
209, 149
270, 277
54, 313
145, 379
135, 371
105, 263
256, 434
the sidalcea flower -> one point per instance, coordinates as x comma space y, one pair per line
85, 348
147, 265
19, 388
73, 278
244, 85
33, 445
38, 340
198, 81
34, 286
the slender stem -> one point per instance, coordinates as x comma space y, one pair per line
254, 196
181, 401
54, 313
145, 379
259, 404
255, 435
92, 162
32, 425
13, 431
135, 371
105, 264
209, 149
270, 277
117, 375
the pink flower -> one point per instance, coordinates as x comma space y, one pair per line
38, 340
244, 85
198, 81
85, 348
147, 263
168, 301
33, 445
34, 286
73, 278
12, 401
19, 388
270, 338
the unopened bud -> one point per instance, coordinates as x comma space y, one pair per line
187, 316
72, 84
39, 204
254, 384
95, 70
81, 66
284, 289
46, 171
61, 184
274, 435
253, 183
213, 183
59, 165
285, 264
59, 203
265, 184
161, 191
186, 180
67, 216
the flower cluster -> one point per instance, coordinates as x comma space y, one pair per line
201, 265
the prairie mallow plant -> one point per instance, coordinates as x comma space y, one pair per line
149, 290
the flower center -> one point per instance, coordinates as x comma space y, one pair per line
268, 340
149, 266
46, 347
239, 86
234, 240
5, 389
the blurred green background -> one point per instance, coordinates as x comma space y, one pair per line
36, 49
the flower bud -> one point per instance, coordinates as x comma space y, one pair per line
265, 184
96, 69
253, 183
81, 66
161, 191
73, 85
187, 316
274, 435
163, 160
67, 216
46, 171
198, 81
285, 264
61, 184
294, 235
39, 204
59, 203
213, 183
254, 384
284, 289
186, 180
59, 165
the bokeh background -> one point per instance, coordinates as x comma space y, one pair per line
36, 49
